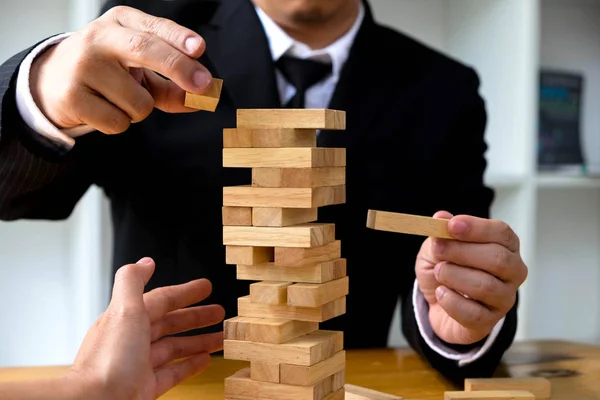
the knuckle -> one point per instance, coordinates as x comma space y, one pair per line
139, 43
506, 233
173, 61
501, 260
142, 107
117, 123
90, 33
153, 24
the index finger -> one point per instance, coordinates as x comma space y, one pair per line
481, 230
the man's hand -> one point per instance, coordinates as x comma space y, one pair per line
126, 355
105, 75
471, 281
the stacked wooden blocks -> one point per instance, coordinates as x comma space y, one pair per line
272, 236
511, 388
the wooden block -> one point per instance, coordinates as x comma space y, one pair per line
249, 196
303, 235
298, 177
305, 350
309, 375
291, 118
410, 224
299, 257
540, 387
264, 371
269, 292
292, 157
281, 311
315, 273
248, 255
316, 294
207, 101
490, 395
339, 394
266, 330
271, 216
269, 138
354, 392
237, 216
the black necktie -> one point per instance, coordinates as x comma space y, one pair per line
302, 74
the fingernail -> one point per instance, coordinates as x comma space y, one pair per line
202, 79
436, 270
192, 44
439, 246
440, 292
145, 261
459, 227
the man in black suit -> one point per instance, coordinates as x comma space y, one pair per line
94, 107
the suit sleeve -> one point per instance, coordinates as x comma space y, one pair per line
459, 176
39, 179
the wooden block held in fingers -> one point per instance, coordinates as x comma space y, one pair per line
490, 395
289, 157
278, 311
291, 118
267, 330
314, 273
305, 350
248, 255
298, 177
207, 101
249, 196
309, 375
299, 257
540, 387
303, 235
237, 216
409, 224
272, 216
264, 371
354, 392
316, 294
269, 292
269, 138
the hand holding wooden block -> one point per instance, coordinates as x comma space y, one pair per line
207, 101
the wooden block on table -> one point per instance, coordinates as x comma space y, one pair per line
303, 235
299, 257
266, 330
540, 387
322, 313
316, 273
354, 392
298, 177
406, 223
291, 157
263, 371
306, 350
316, 294
269, 292
291, 118
490, 395
279, 217
207, 101
237, 216
269, 138
248, 255
249, 196
303, 375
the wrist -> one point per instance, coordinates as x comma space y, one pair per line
83, 386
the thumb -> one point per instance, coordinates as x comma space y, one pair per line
130, 281
168, 97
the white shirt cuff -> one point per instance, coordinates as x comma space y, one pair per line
421, 309
30, 112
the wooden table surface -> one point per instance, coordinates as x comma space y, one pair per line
573, 369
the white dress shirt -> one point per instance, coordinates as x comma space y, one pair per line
318, 96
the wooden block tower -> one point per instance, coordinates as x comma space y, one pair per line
272, 236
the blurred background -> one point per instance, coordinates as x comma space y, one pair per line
539, 62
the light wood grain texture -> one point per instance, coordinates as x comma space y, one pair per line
248, 255
409, 224
354, 392
237, 216
266, 330
314, 273
298, 257
309, 375
298, 157
304, 235
322, 313
279, 217
264, 371
540, 387
207, 101
298, 177
291, 118
316, 294
269, 292
248, 196
489, 395
268, 138
401, 372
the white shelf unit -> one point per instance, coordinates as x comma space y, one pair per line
557, 217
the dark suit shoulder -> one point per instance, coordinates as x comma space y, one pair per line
184, 12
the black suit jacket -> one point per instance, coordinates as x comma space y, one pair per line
414, 139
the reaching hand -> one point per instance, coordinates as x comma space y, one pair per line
470, 282
126, 354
